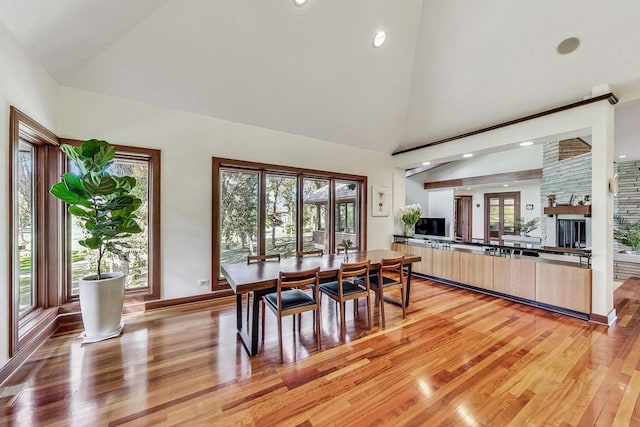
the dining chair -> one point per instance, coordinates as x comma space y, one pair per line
346, 289
260, 258
315, 252
252, 259
289, 300
389, 275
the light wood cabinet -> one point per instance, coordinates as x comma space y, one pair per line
564, 286
476, 270
515, 277
446, 264
425, 266
551, 282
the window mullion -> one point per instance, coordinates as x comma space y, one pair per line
331, 220
262, 211
300, 213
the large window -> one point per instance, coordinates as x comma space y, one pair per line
26, 226
141, 269
268, 209
239, 222
280, 231
34, 220
315, 197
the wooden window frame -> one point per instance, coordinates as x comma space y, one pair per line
152, 291
218, 284
48, 242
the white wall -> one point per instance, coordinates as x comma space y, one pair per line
188, 142
415, 193
441, 206
26, 86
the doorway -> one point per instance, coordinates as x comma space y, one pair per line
463, 217
501, 212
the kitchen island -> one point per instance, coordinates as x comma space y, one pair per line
557, 279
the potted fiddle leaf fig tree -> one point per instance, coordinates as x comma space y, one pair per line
106, 209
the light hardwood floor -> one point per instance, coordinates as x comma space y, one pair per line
459, 359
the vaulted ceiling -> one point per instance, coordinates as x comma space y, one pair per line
447, 67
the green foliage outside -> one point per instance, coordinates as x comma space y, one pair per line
239, 214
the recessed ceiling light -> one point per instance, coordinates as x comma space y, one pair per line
526, 143
468, 188
426, 163
299, 2
467, 155
505, 185
567, 46
622, 156
379, 39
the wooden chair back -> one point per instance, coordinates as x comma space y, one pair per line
393, 265
261, 258
299, 280
348, 287
353, 270
316, 252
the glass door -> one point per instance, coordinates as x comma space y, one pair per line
502, 209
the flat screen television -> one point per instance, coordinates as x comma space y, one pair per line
431, 226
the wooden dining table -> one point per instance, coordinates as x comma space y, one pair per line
261, 278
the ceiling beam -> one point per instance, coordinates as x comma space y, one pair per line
607, 96
485, 179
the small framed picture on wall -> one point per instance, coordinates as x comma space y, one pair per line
380, 200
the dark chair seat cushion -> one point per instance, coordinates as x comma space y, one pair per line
348, 288
373, 281
292, 298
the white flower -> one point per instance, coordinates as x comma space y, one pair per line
410, 214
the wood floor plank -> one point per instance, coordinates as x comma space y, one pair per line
458, 358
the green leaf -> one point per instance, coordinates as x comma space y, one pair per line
99, 184
125, 183
74, 183
78, 211
61, 191
130, 226
91, 243
99, 152
119, 202
71, 152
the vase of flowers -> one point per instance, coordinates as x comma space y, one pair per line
346, 244
410, 215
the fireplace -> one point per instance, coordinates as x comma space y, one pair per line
569, 231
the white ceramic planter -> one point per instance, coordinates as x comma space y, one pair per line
101, 305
